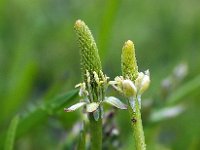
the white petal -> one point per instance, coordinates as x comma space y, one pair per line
91, 107
119, 79
147, 72
144, 84
139, 80
129, 88
74, 107
115, 102
112, 82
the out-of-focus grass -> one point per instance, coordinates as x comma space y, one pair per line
10, 137
39, 59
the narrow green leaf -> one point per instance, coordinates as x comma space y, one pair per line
44, 110
41, 113
184, 91
10, 138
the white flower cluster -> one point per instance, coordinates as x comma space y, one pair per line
85, 92
132, 89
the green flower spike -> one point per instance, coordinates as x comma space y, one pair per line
95, 82
128, 61
92, 90
132, 85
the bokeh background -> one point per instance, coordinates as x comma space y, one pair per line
39, 60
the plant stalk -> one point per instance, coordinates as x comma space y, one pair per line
95, 132
82, 138
90, 61
136, 123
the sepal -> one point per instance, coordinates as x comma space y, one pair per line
91, 107
115, 102
75, 107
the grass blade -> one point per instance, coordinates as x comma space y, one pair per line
41, 113
9, 143
184, 91
44, 110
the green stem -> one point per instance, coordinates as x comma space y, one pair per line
136, 123
95, 132
81, 142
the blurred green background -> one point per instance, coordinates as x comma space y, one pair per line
39, 60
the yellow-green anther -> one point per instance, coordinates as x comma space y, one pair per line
128, 61
96, 77
103, 77
90, 59
88, 76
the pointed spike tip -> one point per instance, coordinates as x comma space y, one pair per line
128, 61
129, 44
79, 23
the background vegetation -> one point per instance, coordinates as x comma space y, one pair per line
39, 61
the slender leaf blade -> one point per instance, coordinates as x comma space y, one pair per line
9, 143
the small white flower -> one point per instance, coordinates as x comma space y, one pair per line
132, 90
129, 88
82, 91
119, 79
142, 82
87, 100
116, 86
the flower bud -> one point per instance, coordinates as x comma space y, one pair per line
142, 82
129, 88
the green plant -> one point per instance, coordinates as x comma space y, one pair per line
132, 85
39, 62
95, 83
93, 89
9, 143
